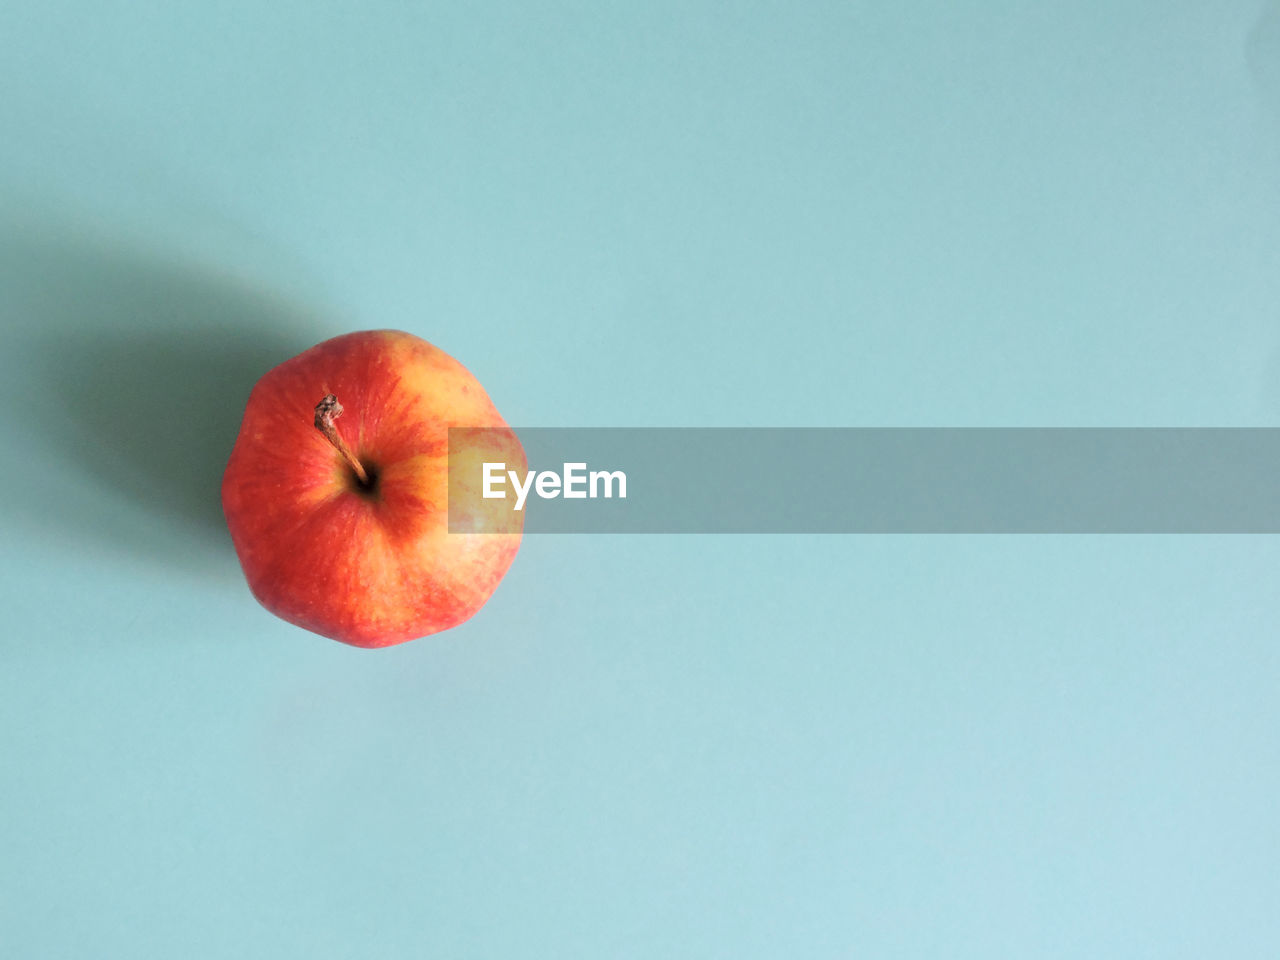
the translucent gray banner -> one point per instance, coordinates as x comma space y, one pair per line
855, 480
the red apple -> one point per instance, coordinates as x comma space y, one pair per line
336, 493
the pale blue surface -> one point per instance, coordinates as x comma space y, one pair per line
638, 214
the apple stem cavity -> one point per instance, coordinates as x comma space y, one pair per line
327, 411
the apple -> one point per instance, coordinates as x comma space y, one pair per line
336, 492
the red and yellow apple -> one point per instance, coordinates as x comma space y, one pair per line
336, 493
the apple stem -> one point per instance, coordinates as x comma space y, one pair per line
327, 411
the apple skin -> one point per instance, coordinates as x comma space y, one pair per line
368, 567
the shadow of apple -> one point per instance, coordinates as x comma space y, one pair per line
132, 372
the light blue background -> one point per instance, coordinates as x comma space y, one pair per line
659, 213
